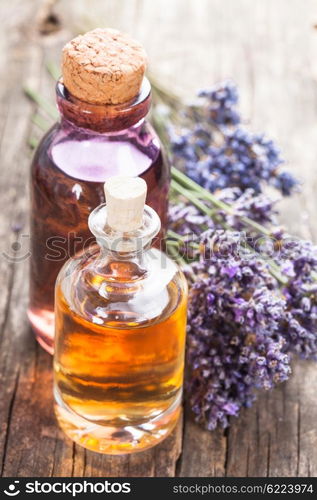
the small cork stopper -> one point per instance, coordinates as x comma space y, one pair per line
103, 66
125, 199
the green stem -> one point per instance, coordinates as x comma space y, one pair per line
173, 243
175, 236
53, 70
160, 128
178, 240
33, 142
174, 254
191, 197
40, 122
181, 178
168, 97
42, 102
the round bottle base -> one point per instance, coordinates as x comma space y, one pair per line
42, 323
116, 440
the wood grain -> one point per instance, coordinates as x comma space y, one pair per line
269, 49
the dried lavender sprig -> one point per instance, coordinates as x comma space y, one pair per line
234, 343
242, 325
221, 103
53, 69
190, 195
213, 149
40, 122
184, 180
42, 102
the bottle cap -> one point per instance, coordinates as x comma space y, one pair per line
125, 199
103, 66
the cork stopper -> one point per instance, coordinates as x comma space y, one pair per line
125, 199
103, 66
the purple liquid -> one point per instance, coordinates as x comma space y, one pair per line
83, 161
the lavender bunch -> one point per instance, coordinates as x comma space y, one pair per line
217, 152
234, 340
244, 325
249, 311
253, 292
187, 219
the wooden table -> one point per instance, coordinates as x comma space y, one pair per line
269, 47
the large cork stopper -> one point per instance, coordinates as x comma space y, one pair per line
125, 199
103, 66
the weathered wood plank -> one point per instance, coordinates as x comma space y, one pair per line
204, 453
15, 111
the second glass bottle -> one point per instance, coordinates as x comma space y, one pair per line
120, 330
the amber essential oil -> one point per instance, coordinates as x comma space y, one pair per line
120, 339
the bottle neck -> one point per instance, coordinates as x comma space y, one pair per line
123, 134
124, 245
123, 255
103, 118
121, 267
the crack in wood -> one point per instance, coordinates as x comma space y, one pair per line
268, 455
226, 434
8, 301
84, 463
178, 462
9, 419
298, 437
54, 454
73, 460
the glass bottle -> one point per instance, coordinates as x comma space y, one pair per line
90, 143
120, 335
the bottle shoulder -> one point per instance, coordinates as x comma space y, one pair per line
128, 295
45, 142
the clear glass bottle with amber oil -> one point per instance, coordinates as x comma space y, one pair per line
120, 330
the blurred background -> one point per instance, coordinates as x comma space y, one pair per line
267, 47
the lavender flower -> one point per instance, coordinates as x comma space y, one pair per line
299, 264
234, 344
243, 326
248, 203
253, 293
217, 152
186, 219
221, 101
